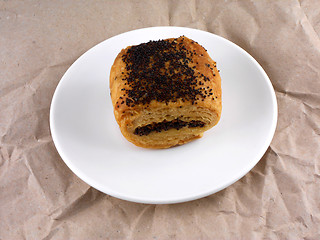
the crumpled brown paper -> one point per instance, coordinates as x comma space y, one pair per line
40, 198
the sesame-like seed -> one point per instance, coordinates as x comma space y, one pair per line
150, 78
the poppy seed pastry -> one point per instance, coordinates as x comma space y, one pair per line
165, 93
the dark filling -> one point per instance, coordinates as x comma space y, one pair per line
166, 125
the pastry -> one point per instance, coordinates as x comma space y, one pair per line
165, 93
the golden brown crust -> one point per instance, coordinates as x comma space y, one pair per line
203, 95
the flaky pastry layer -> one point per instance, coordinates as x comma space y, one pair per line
165, 93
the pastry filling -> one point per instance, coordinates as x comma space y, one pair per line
166, 125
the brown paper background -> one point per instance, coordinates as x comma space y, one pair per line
40, 198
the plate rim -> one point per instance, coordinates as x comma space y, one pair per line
93, 183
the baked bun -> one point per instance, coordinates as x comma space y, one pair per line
165, 93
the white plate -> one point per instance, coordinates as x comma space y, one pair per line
88, 138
